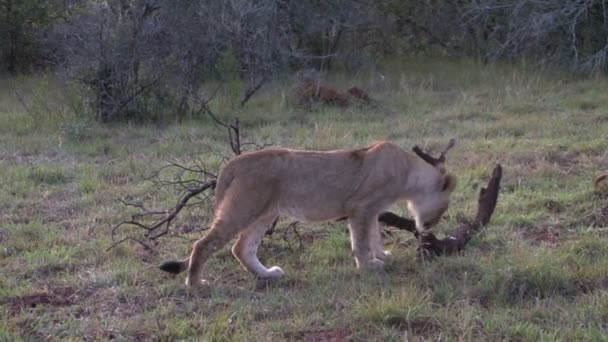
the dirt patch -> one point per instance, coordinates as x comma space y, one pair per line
547, 236
554, 206
563, 159
595, 218
272, 315
59, 207
418, 326
283, 282
588, 106
55, 208
336, 335
53, 269
58, 296
146, 255
108, 302
565, 162
98, 334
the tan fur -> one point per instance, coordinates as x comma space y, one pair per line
255, 188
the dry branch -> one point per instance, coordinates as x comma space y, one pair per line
161, 226
190, 188
429, 244
432, 160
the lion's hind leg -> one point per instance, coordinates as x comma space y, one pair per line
221, 232
246, 247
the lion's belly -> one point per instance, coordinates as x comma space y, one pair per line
306, 213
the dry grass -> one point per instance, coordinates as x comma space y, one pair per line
538, 272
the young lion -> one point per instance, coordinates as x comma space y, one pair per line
255, 188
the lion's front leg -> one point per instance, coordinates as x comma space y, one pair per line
363, 232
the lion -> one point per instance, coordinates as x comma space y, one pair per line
255, 188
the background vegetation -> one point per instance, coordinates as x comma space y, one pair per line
150, 59
98, 95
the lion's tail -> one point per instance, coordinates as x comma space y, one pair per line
175, 266
226, 177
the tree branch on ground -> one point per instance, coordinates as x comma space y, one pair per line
430, 245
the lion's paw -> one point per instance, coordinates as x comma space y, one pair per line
191, 283
375, 264
274, 272
384, 255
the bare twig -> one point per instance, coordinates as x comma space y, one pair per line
160, 227
294, 227
130, 238
252, 90
432, 160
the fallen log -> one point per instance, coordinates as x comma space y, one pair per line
430, 245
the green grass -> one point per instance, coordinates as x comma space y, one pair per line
538, 271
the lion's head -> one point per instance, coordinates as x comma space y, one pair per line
427, 207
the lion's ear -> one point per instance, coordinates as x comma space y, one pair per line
449, 183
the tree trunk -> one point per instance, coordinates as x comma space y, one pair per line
12, 39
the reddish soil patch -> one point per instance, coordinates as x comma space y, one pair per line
146, 255
58, 296
337, 335
544, 235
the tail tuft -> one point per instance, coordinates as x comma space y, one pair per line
174, 267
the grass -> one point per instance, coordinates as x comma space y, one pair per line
538, 272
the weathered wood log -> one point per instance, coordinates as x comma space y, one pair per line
430, 245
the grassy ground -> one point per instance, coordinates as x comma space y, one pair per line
539, 271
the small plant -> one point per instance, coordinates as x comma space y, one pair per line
75, 131
41, 174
